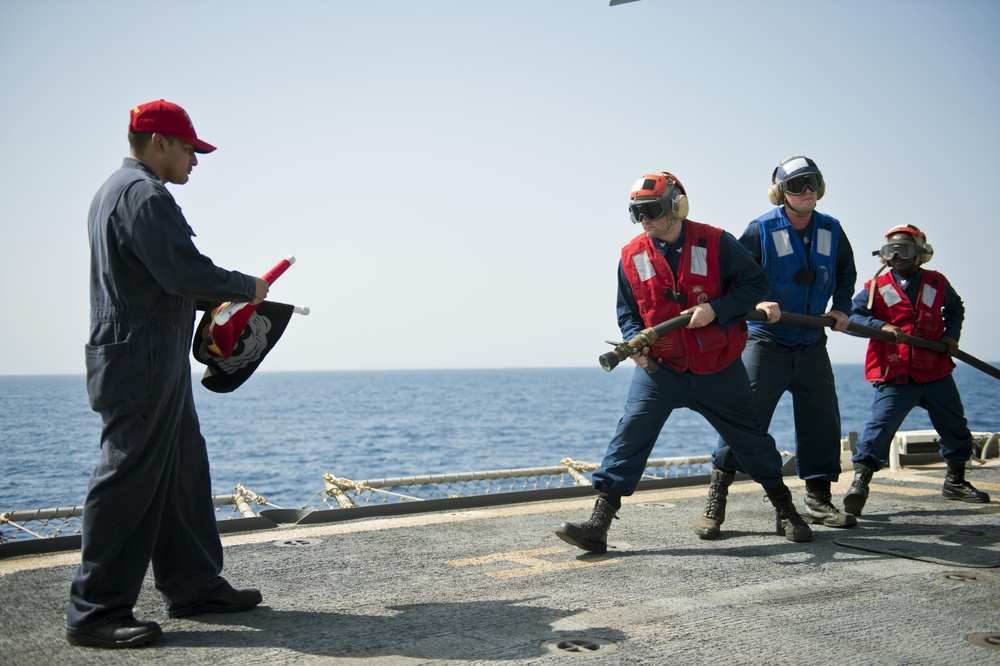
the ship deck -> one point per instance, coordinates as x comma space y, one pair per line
916, 582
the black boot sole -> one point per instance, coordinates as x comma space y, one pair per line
847, 518
854, 504
802, 537
968, 499
235, 601
83, 638
708, 533
573, 535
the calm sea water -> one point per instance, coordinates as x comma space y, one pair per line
280, 433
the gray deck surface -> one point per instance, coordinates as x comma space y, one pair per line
496, 586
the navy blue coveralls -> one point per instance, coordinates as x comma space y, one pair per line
786, 357
893, 402
150, 496
723, 398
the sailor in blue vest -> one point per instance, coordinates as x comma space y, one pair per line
150, 496
810, 263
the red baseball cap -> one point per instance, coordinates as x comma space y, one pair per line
166, 118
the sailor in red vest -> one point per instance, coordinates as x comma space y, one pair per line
676, 267
911, 300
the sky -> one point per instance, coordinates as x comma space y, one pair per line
453, 177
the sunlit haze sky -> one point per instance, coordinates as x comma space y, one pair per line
453, 176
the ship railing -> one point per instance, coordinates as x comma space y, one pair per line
60, 528
341, 493
66, 522
44, 530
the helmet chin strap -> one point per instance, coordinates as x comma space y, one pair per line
871, 290
672, 220
797, 212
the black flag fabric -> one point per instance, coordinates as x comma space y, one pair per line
264, 328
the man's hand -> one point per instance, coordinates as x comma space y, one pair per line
771, 309
641, 359
842, 320
701, 315
261, 291
899, 334
951, 343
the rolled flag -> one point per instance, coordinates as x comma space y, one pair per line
262, 330
229, 319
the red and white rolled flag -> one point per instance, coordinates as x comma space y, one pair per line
229, 319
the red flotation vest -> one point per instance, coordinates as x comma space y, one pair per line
900, 364
701, 350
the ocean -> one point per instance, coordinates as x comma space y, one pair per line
280, 432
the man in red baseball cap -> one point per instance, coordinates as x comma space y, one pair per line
150, 497
166, 118
162, 138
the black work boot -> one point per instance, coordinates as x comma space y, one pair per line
857, 494
592, 535
957, 488
787, 521
820, 510
707, 526
127, 632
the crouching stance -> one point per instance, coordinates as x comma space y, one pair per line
677, 267
910, 300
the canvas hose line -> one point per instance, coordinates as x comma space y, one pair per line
646, 338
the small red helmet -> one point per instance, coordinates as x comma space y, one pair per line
911, 229
924, 249
661, 187
656, 185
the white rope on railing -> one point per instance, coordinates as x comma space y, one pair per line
990, 440
349, 494
575, 469
361, 486
245, 494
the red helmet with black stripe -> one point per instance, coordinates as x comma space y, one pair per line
924, 249
655, 185
660, 191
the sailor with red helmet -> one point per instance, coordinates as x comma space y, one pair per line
910, 300
678, 266
810, 263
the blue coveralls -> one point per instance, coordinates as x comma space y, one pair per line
723, 398
150, 496
785, 357
893, 402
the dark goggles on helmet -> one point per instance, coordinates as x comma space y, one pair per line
651, 210
905, 250
798, 184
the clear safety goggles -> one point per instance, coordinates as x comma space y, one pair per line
798, 184
905, 250
651, 210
